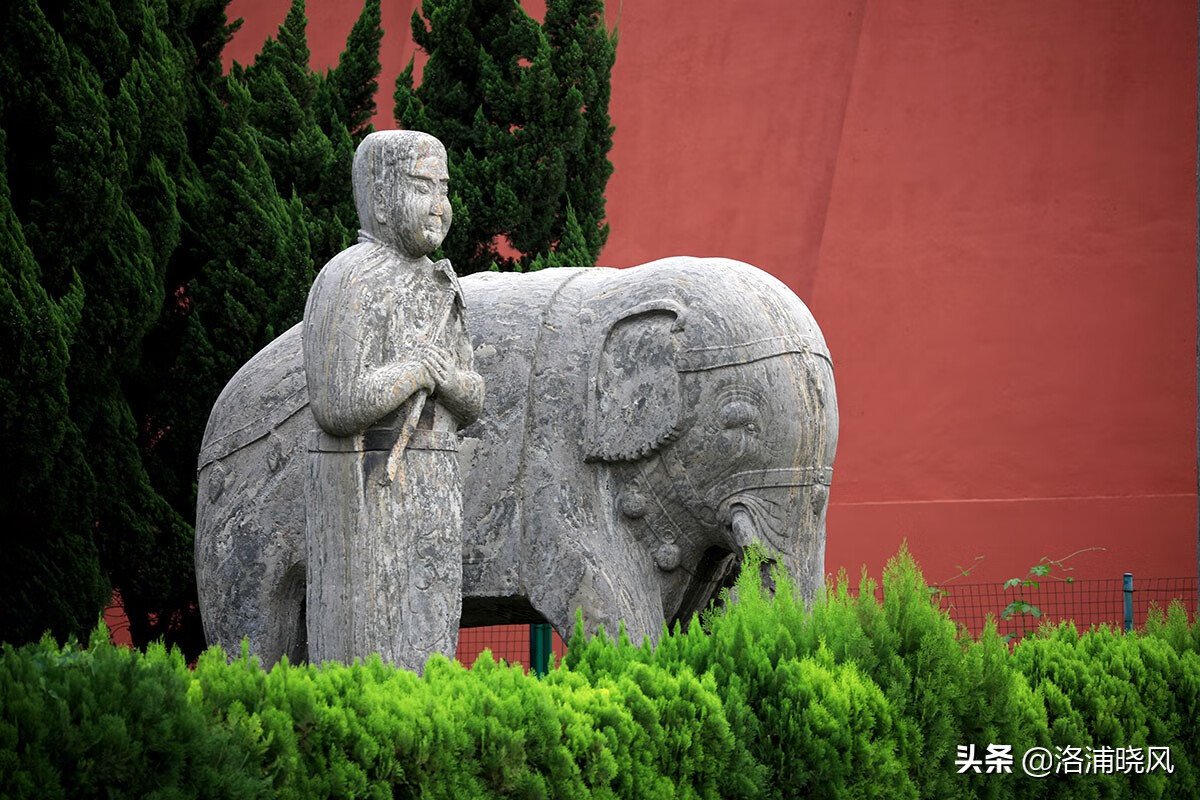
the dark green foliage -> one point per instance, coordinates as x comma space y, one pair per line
91, 100
43, 469
523, 111
853, 698
159, 223
351, 86
582, 54
108, 722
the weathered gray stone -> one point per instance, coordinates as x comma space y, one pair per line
383, 333
250, 540
641, 427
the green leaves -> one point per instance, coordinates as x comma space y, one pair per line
523, 112
106, 722
854, 696
159, 223
84, 184
1020, 607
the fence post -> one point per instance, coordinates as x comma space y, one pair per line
1128, 601
540, 648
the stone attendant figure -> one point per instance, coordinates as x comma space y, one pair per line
390, 378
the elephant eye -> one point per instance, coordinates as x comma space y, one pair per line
739, 414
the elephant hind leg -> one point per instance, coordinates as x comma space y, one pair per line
285, 629
270, 618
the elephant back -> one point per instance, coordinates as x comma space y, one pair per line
266, 391
726, 312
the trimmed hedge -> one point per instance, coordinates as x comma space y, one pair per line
851, 698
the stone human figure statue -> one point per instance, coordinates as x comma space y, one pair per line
389, 371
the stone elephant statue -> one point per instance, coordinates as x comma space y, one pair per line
641, 427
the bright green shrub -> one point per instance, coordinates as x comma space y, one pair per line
370, 730
853, 697
1172, 626
910, 649
995, 705
1184, 677
941, 689
807, 725
1105, 688
109, 722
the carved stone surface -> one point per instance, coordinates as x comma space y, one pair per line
382, 330
642, 426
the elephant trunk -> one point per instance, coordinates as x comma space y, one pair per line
789, 523
743, 527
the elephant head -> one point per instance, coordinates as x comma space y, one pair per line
714, 447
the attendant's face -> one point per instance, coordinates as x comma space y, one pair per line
421, 216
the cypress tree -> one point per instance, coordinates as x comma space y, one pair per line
349, 88
155, 573
55, 580
308, 124
583, 56
523, 111
255, 281
273, 205
159, 222
90, 107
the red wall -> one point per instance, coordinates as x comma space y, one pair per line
990, 209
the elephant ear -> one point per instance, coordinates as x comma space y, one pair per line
634, 398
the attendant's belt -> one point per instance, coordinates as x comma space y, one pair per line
381, 439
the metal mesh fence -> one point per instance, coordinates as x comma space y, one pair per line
508, 643
1086, 602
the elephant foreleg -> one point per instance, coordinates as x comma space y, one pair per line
606, 596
